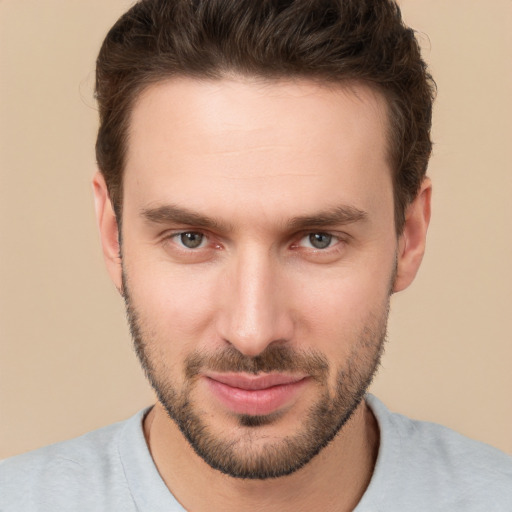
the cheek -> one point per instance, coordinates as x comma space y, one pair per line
347, 325
174, 305
339, 307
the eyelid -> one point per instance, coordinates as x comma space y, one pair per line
178, 237
210, 241
172, 234
341, 237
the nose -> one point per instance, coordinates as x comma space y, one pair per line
255, 311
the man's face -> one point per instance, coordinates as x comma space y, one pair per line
258, 256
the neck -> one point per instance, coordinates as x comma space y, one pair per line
334, 480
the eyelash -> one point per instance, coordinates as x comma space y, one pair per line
177, 236
333, 237
175, 241
308, 236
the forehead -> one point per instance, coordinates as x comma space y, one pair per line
264, 142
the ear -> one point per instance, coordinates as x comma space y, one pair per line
411, 244
109, 230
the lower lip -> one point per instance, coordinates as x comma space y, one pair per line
255, 402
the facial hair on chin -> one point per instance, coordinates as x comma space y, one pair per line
324, 419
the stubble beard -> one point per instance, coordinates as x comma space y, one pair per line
233, 456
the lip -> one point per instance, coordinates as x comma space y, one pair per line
254, 394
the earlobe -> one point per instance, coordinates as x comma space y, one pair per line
411, 245
108, 228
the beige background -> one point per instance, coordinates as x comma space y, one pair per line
66, 364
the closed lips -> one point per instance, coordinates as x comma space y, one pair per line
254, 382
255, 394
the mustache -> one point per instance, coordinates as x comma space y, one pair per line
275, 358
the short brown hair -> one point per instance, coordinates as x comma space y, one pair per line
327, 40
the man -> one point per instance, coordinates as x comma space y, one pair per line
261, 194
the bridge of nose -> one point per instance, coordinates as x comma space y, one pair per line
254, 311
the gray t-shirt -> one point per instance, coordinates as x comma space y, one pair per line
420, 467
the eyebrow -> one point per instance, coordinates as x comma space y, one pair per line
340, 215
172, 214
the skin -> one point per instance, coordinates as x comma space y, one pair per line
256, 156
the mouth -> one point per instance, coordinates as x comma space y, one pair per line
256, 395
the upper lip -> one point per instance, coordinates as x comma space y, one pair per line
254, 382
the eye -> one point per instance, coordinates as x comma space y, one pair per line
190, 239
318, 240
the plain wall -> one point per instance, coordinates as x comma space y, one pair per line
66, 363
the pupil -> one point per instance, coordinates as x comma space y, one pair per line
320, 240
191, 240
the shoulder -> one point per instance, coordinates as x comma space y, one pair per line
427, 463
86, 470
